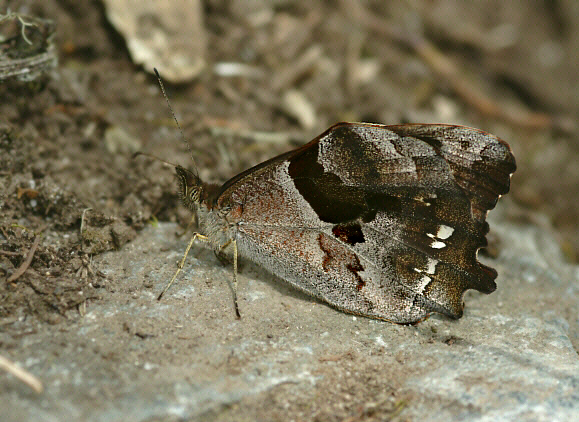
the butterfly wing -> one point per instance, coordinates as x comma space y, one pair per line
380, 221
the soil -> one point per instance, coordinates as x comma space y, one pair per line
67, 172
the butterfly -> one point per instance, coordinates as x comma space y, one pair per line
379, 221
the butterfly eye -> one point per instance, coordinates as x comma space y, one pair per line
195, 194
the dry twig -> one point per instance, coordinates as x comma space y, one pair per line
24, 266
23, 375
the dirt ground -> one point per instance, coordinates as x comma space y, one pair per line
67, 140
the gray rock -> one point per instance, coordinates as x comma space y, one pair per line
512, 356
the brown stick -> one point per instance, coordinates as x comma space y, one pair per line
24, 266
10, 253
23, 375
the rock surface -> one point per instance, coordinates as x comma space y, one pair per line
512, 357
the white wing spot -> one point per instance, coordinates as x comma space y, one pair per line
444, 232
424, 281
437, 245
430, 267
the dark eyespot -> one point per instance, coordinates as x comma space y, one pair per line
349, 233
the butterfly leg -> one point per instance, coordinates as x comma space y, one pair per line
182, 263
234, 285
237, 314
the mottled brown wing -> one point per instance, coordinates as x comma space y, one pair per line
481, 164
380, 221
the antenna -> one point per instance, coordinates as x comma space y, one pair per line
136, 154
176, 121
